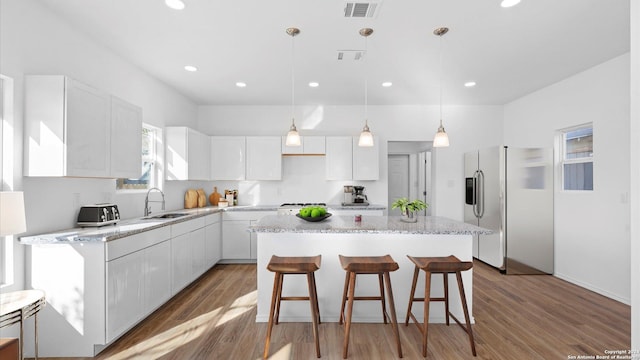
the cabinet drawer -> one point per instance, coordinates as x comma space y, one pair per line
246, 215
187, 226
130, 244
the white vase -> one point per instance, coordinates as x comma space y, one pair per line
409, 216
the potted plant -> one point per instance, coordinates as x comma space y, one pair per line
408, 208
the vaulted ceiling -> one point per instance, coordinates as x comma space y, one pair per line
508, 52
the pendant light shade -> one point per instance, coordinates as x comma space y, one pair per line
441, 139
366, 138
293, 137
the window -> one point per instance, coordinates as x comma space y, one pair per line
577, 158
149, 175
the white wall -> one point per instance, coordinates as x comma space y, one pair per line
35, 41
591, 228
468, 127
635, 174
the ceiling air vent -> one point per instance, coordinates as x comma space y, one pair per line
362, 9
350, 54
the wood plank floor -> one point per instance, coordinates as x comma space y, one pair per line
517, 317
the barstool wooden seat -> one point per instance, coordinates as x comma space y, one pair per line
380, 265
302, 265
444, 266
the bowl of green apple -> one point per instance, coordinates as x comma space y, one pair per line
313, 213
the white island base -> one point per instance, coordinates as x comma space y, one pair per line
330, 277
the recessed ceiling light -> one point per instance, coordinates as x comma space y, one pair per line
314, 84
470, 84
241, 84
175, 4
191, 68
387, 84
509, 3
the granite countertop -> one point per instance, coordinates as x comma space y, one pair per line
132, 226
356, 207
369, 224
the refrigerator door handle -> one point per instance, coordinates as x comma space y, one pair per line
476, 209
481, 197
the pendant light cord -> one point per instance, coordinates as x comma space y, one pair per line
366, 84
441, 76
293, 81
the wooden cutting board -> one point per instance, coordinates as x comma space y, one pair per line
191, 199
202, 198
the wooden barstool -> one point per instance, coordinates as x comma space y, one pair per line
444, 266
380, 265
302, 265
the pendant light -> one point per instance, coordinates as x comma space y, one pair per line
293, 137
366, 138
441, 139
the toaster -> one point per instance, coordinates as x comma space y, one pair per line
98, 215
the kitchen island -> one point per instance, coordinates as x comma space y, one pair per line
372, 236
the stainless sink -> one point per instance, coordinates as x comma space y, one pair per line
166, 216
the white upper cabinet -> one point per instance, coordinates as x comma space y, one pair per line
339, 159
67, 128
72, 129
264, 158
309, 145
314, 145
366, 160
187, 154
228, 157
346, 160
126, 139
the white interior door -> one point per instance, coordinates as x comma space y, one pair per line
398, 179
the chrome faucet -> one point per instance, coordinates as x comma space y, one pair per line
147, 209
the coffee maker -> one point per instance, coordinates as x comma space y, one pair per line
354, 196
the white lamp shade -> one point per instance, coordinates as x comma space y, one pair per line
366, 139
12, 218
441, 139
293, 138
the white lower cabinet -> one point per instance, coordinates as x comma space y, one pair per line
137, 270
238, 244
187, 252
213, 239
125, 293
157, 272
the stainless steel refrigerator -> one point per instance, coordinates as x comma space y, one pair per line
510, 191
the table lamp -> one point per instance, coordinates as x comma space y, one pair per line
12, 218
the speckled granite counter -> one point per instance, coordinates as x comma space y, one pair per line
369, 224
372, 236
356, 207
132, 226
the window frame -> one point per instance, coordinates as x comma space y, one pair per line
563, 160
155, 157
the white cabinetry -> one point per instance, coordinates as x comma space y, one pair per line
67, 128
238, 244
346, 160
213, 239
187, 154
339, 158
228, 157
366, 160
187, 252
125, 293
264, 158
72, 129
309, 145
126, 139
137, 270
